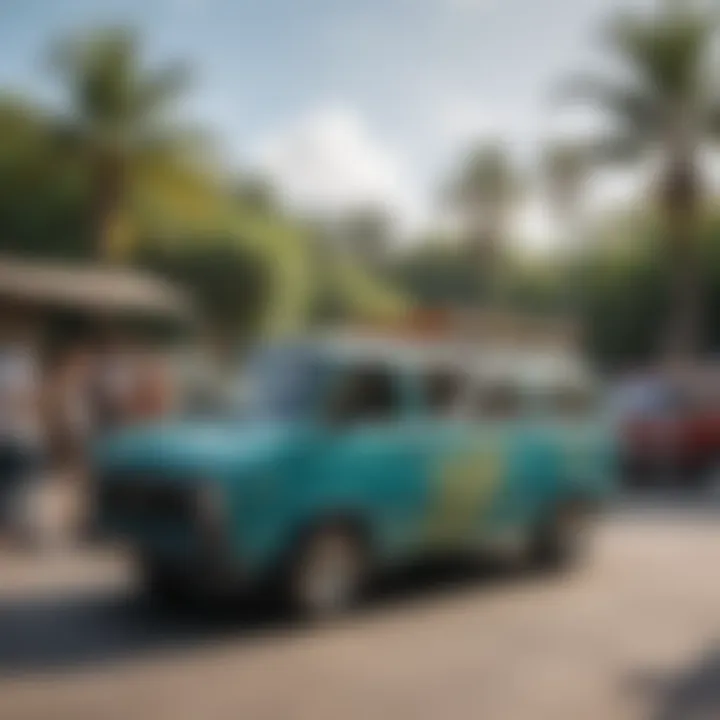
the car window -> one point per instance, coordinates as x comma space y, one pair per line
365, 393
498, 400
280, 383
444, 392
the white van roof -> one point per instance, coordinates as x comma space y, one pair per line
541, 366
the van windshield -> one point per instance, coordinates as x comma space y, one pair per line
280, 384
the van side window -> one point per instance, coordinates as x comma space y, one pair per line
498, 400
444, 391
365, 393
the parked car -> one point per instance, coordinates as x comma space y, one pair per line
670, 431
342, 459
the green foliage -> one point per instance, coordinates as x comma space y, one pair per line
438, 275
114, 176
621, 299
114, 101
118, 119
114, 173
484, 192
565, 166
366, 234
618, 291
230, 283
441, 274
486, 181
666, 105
42, 191
668, 89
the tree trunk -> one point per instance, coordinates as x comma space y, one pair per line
107, 209
683, 333
487, 232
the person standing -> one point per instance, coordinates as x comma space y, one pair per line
111, 388
21, 436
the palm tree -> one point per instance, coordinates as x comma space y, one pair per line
484, 192
564, 168
118, 121
665, 109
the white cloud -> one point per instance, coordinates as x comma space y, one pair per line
534, 225
577, 124
461, 122
328, 162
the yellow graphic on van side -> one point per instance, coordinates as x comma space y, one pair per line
466, 484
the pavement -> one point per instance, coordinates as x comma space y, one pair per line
633, 633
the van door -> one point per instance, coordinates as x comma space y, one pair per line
371, 463
480, 464
581, 443
448, 483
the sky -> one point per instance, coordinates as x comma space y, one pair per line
349, 102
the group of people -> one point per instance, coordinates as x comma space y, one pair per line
52, 412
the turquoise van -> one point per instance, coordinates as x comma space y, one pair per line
336, 459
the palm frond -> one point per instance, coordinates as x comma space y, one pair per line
712, 123
161, 89
111, 89
101, 72
667, 51
634, 106
617, 149
486, 176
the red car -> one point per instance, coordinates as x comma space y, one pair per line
671, 433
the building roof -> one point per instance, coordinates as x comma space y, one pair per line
92, 289
480, 326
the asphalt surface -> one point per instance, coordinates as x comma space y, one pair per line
634, 633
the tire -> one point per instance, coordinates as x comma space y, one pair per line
165, 586
711, 477
564, 540
328, 572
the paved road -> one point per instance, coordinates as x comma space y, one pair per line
635, 634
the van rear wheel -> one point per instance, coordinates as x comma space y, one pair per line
328, 573
564, 540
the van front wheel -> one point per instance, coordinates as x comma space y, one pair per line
328, 573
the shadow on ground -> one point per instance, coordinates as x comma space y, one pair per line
694, 694
56, 633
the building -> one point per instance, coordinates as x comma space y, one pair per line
51, 304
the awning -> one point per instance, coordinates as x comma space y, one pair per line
93, 290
